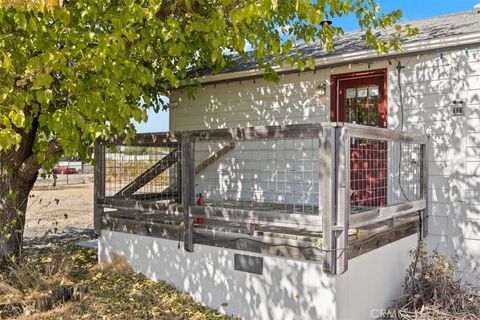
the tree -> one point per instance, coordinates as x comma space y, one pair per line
72, 72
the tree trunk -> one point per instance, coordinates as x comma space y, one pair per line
18, 173
14, 191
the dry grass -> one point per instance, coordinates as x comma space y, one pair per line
65, 283
432, 292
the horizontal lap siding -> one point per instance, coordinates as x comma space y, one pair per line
468, 226
430, 88
249, 103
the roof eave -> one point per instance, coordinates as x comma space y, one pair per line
355, 57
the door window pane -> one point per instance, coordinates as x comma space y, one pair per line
351, 93
373, 91
362, 92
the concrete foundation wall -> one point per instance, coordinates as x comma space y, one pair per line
287, 289
374, 280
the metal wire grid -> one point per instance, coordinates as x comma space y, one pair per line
368, 173
142, 172
406, 172
270, 174
383, 173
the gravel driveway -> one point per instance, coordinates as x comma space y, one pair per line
65, 208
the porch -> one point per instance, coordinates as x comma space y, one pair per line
317, 192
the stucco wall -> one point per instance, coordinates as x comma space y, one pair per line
430, 84
287, 289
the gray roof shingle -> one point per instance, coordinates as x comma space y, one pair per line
430, 28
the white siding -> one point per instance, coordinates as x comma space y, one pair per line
430, 83
454, 175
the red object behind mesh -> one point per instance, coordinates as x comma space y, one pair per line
368, 175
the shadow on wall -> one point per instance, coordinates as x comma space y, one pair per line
252, 103
287, 289
432, 86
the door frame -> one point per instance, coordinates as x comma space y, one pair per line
335, 78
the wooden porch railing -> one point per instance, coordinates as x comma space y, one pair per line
327, 233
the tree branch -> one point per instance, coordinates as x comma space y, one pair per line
31, 165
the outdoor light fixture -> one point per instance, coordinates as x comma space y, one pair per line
321, 89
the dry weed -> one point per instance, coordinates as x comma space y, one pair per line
114, 291
432, 292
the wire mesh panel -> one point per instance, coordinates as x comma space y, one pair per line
266, 174
405, 176
142, 172
383, 173
368, 177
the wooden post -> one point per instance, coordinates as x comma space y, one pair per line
188, 189
334, 200
343, 199
326, 199
99, 186
424, 187
178, 178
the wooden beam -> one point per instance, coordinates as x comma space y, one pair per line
293, 249
141, 206
267, 132
150, 174
373, 237
145, 228
327, 206
288, 248
262, 218
164, 195
188, 189
342, 200
231, 134
214, 157
334, 199
373, 216
375, 133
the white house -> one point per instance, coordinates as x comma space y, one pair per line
431, 87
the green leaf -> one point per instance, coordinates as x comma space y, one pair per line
42, 80
176, 49
17, 118
20, 20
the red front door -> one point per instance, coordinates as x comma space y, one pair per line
361, 98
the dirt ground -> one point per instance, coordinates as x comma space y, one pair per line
64, 208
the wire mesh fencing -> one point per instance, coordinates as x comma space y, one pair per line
275, 172
143, 172
384, 173
266, 174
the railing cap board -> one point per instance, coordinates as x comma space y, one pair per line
309, 130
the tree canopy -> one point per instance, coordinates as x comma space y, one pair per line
75, 71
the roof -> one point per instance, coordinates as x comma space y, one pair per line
430, 28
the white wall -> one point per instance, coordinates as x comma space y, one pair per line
431, 82
287, 289
373, 280
431, 85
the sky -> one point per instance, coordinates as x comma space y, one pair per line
412, 10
